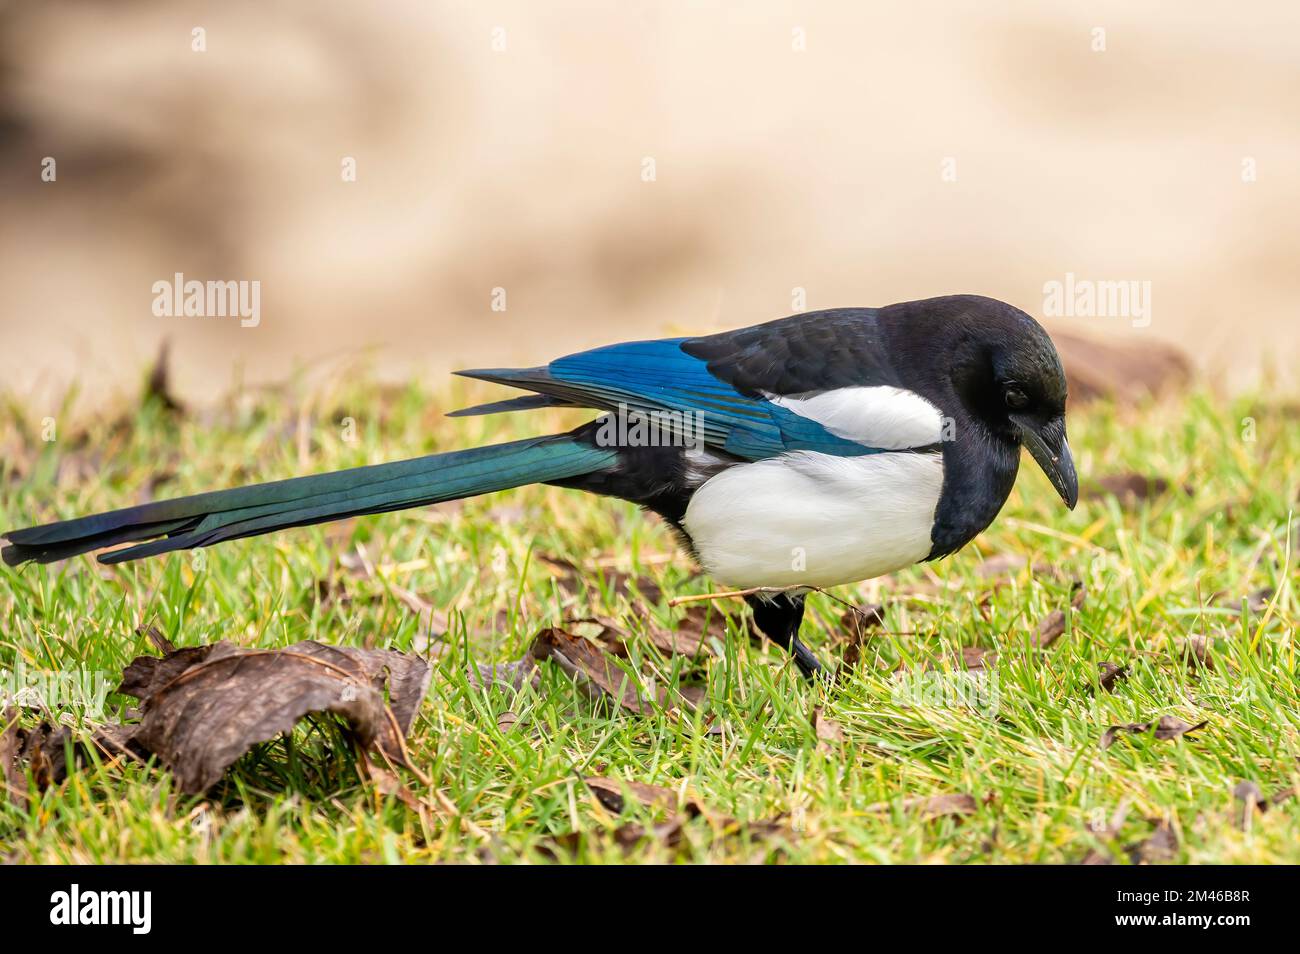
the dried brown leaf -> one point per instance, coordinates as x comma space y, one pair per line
571, 577
631, 835
1259, 599
1252, 800
932, 806
156, 638
976, 658
829, 732
1129, 489
11, 773
604, 632
515, 674
858, 622
433, 622
45, 750
591, 667
688, 638
202, 709
1000, 564
1161, 845
1197, 652
143, 672
387, 783
612, 793
1109, 674
1053, 625
692, 694
1166, 727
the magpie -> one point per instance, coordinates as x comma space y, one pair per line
807, 452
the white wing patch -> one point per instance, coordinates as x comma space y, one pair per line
815, 519
885, 417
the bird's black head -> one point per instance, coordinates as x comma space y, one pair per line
1000, 366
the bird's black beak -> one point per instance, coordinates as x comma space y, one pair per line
1048, 445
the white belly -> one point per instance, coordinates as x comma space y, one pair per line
815, 520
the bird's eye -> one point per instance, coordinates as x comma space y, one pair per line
1016, 399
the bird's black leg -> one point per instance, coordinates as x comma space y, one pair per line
779, 618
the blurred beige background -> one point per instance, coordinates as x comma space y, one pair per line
795, 145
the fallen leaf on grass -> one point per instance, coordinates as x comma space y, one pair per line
1161, 845
515, 675
571, 577
1000, 564
1256, 601
1253, 799
1197, 652
978, 658
858, 622
156, 638
1003, 566
10, 772
692, 694
827, 730
203, 707
1053, 625
603, 632
631, 835
1109, 674
688, 639
506, 721
611, 792
1129, 489
591, 667
45, 750
589, 650
956, 804
387, 783
1167, 727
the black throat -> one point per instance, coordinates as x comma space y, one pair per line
979, 470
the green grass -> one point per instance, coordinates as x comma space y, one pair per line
1044, 788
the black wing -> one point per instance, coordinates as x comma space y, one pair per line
817, 351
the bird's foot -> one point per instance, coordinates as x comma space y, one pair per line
807, 662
